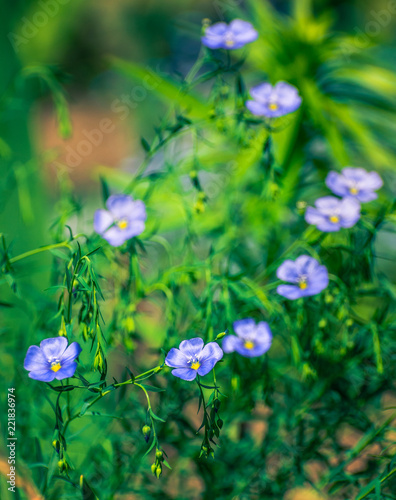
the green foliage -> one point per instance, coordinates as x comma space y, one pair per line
225, 209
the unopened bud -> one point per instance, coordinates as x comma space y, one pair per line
154, 468
61, 465
159, 455
56, 445
220, 335
146, 432
158, 471
322, 323
199, 207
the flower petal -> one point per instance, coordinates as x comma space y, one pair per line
261, 92
291, 292
191, 347
210, 351
287, 271
54, 347
176, 359
71, 353
135, 227
229, 343
263, 335
328, 205
257, 108
185, 373
42, 375
35, 359
67, 370
120, 205
350, 212
115, 236
244, 328
337, 183
102, 221
207, 366
306, 265
257, 350
313, 216
318, 281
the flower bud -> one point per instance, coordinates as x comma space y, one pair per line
153, 468
322, 323
159, 455
146, 432
199, 207
220, 335
158, 471
56, 445
61, 465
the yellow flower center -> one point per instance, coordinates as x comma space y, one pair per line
230, 43
249, 344
195, 365
122, 224
334, 219
303, 285
55, 366
354, 190
273, 106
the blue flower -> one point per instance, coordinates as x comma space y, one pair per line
252, 340
193, 358
123, 219
53, 359
306, 274
355, 183
229, 36
273, 102
331, 214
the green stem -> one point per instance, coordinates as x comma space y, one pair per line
64, 244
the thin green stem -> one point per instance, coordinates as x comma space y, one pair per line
64, 244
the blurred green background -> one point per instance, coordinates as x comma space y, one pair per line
61, 82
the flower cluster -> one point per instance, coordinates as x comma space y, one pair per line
193, 358
267, 100
355, 186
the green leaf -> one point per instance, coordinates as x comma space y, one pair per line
151, 388
156, 417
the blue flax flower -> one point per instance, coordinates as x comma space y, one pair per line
53, 359
123, 219
273, 102
193, 358
306, 274
229, 36
331, 214
355, 182
251, 340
